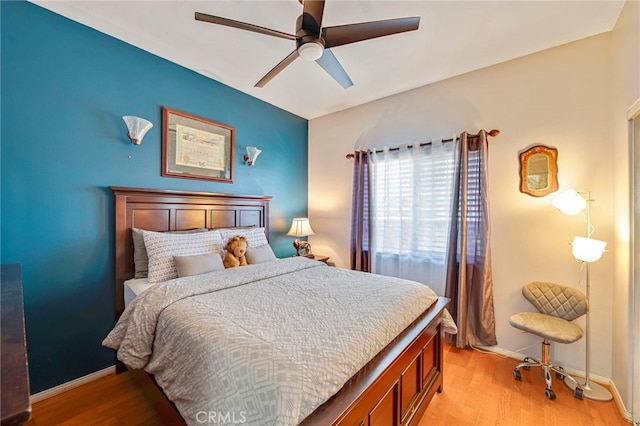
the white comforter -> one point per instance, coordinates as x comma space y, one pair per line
263, 344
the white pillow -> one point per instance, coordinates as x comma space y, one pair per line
140, 258
260, 254
198, 264
255, 236
161, 247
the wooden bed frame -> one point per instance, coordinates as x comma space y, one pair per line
394, 388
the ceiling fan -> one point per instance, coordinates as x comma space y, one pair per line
313, 42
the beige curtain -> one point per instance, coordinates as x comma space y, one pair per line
469, 282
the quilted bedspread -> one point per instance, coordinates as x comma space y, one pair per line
263, 344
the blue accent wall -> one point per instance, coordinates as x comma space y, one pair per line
64, 89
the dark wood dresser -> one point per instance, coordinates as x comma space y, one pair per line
15, 405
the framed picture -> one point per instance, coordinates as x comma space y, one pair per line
196, 148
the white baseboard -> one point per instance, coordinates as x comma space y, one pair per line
618, 399
72, 384
599, 379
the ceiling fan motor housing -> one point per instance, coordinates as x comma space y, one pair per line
304, 37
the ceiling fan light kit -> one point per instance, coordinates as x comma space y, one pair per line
311, 51
314, 42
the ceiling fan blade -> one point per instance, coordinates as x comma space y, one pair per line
345, 34
312, 15
242, 25
276, 70
331, 65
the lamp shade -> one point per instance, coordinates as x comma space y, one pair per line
587, 249
252, 155
300, 227
570, 202
137, 127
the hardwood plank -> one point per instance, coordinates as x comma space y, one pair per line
479, 389
129, 398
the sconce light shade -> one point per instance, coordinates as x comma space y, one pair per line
251, 155
587, 249
300, 227
570, 202
138, 127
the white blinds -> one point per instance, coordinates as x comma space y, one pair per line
411, 211
412, 199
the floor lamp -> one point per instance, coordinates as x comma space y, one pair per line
585, 250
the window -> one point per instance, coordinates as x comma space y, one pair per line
412, 201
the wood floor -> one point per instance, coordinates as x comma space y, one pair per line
479, 389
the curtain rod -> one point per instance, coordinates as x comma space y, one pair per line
492, 133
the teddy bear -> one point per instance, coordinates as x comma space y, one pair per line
236, 249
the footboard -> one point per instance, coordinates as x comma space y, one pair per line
396, 386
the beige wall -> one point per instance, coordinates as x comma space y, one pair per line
561, 98
625, 91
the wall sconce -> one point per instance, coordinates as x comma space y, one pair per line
251, 155
137, 127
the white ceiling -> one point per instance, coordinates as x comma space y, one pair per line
454, 37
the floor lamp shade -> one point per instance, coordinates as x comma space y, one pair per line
587, 249
570, 202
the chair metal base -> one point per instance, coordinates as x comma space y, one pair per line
548, 367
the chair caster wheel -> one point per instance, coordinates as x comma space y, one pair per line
550, 394
517, 375
559, 376
526, 359
578, 393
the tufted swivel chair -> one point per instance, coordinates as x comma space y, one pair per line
557, 307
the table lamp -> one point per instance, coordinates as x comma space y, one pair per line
300, 227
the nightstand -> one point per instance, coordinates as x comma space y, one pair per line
318, 257
321, 258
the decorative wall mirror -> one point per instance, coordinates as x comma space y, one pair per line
539, 171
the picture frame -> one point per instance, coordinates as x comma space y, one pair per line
194, 147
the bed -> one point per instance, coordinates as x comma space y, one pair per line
391, 386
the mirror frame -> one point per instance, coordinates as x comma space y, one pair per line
552, 158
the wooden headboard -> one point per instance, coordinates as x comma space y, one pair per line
160, 210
